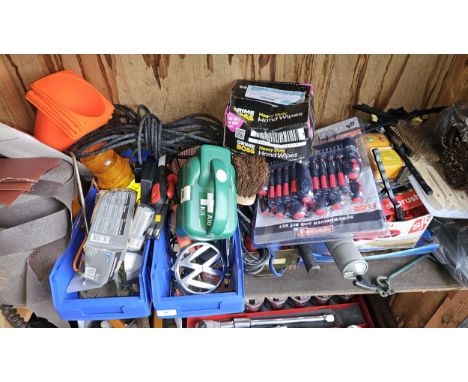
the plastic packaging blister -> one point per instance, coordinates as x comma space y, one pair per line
330, 196
453, 246
440, 129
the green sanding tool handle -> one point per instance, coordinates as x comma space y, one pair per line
221, 197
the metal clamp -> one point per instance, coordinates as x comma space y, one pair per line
383, 284
362, 283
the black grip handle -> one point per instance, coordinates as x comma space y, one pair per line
305, 252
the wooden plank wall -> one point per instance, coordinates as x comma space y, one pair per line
430, 309
176, 85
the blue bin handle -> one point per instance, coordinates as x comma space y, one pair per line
103, 312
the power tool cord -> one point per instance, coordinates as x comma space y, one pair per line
143, 130
255, 262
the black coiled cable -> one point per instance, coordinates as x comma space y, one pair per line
142, 130
254, 262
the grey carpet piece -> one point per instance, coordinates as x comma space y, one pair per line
34, 232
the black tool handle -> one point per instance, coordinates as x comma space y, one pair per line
286, 189
305, 252
314, 169
384, 177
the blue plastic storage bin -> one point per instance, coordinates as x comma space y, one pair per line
70, 307
168, 306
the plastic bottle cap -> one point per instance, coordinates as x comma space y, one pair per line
221, 176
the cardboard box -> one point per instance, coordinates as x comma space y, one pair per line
404, 234
272, 119
391, 162
377, 140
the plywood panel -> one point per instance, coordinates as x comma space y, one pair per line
430, 309
414, 310
451, 312
176, 85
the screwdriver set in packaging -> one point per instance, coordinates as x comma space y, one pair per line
331, 194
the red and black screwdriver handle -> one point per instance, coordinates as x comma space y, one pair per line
323, 174
285, 180
297, 210
293, 174
321, 200
314, 169
263, 200
352, 158
164, 187
332, 177
304, 184
162, 192
263, 203
355, 188
279, 205
334, 195
339, 171
271, 193
159, 188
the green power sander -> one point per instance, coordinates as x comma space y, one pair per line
207, 190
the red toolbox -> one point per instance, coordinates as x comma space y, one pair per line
356, 302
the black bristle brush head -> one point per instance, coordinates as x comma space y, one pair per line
252, 174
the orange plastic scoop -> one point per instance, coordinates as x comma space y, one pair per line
68, 108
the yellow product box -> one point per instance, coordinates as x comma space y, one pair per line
376, 141
391, 161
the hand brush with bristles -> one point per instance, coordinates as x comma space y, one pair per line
414, 138
252, 174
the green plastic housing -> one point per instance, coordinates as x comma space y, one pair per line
207, 191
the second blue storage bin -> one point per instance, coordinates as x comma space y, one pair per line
167, 306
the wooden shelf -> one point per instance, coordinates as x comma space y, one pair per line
424, 276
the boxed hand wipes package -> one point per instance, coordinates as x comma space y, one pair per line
272, 119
